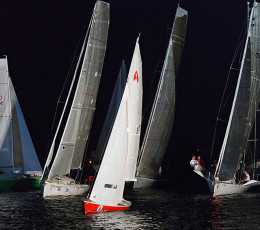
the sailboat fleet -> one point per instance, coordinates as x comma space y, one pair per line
121, 160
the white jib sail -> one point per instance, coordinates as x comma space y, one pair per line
135, 95
109, 184
6, 157
30, 158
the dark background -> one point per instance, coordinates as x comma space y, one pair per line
40, 39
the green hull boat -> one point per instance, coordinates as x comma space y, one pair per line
20, 185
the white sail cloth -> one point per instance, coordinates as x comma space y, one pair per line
134, 91
16, 147
75, 136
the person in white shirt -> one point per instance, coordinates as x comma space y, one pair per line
194, 163
247, 177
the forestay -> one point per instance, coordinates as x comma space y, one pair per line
161, 118
134, 111
245, 104
74, 139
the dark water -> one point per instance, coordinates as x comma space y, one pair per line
151, 209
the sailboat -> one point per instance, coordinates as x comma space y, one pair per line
242, 117
56, 179
160, 123
20, 168
108, 188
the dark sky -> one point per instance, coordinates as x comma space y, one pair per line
40, 39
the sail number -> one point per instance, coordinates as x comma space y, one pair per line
257, 55
1, 101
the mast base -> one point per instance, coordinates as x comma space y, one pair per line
93, 207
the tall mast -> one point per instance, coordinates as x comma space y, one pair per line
247, 18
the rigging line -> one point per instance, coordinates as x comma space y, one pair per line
71, 64
155, 72
151, 86
239, 44
50, 155
63, 88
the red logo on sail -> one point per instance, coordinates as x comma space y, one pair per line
136, 76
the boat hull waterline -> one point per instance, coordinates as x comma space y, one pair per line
227, 188
92, 207
19, 184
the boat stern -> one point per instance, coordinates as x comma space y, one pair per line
93, 207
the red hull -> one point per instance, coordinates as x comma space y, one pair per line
94, 208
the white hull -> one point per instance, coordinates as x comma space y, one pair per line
221, 188
63, 187
225, 188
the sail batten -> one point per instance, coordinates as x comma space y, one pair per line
161, 119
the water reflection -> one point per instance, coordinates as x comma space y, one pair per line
216, 219
151, 209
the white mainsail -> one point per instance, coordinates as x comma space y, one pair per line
160, 123
245, 103
74, 139
134, 107
242, 116
16, 147
6, 152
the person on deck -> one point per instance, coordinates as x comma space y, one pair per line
258, 164
247, 177
201, 162
194, 163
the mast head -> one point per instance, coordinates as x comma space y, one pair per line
137, 40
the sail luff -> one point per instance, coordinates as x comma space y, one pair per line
134, 106
232, 149
161, 118
93, 62
6, 142
73, 142
18, 161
